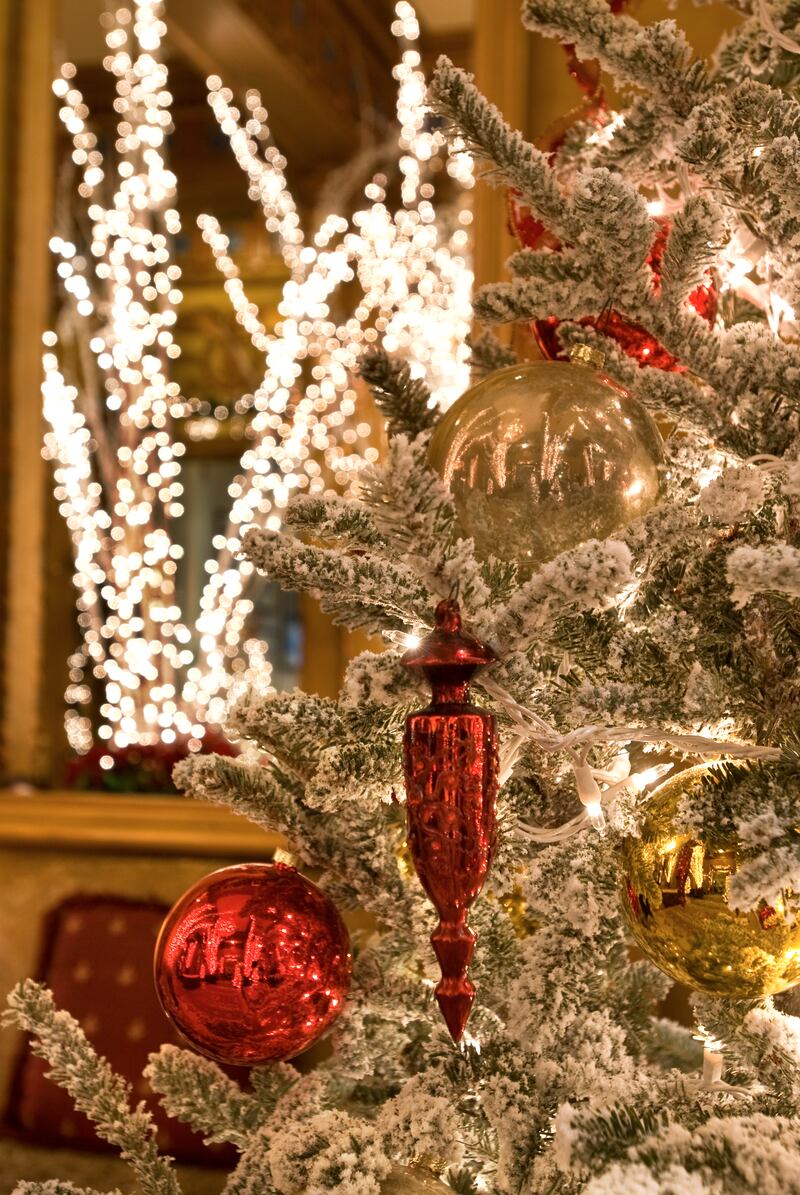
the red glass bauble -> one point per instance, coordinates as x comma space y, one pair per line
632, 338
586, 72
253, 964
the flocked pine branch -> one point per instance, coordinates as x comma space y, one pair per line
485, 133
55, 1186
329, 1151
266, 797
94, 1087
709, 1158
590, 578
333, 519
657, 57
415, 512
404, 400
695, 239
279, 723
775, 568
365, 591
489, 353
408, 500
196, 1091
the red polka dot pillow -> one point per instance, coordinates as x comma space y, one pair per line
97, 960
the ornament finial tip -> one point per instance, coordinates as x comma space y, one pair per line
455, 1008
448, 616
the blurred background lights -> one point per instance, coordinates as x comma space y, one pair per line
116, 458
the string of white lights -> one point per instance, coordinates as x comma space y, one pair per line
576, 744
415, 286
118, 473
745, 251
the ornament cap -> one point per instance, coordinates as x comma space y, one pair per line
587, 354
447, 646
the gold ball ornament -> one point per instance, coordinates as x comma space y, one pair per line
522, 922
675, 898
542, 456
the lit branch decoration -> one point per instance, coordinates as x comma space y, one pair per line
117, 467
117, 462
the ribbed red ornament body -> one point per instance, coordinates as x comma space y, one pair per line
451, 770
634, 340
253, 964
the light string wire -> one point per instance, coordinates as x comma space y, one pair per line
772, 464
768, 21
576, 744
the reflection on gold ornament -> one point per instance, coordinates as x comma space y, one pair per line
518, 913
416, 1179
541, 456
675, 897
405, 864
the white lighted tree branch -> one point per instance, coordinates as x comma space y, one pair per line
111, 429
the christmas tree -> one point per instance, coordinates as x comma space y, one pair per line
656, 636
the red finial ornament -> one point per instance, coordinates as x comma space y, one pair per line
450, 752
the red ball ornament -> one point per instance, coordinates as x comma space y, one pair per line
450, 758
253, 964
632, 338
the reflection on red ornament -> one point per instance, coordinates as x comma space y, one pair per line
253, 964
586, 71
587, 74
634, 339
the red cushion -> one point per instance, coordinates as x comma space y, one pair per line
98, 964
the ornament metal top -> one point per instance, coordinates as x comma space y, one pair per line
451, 767
542, 456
